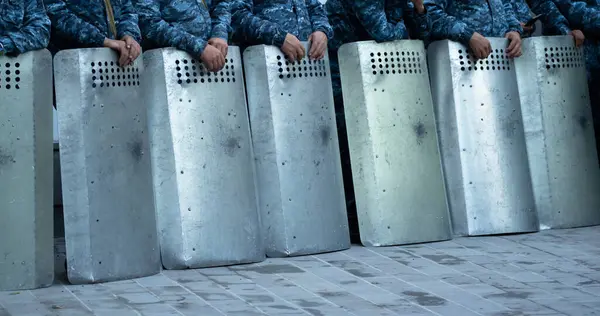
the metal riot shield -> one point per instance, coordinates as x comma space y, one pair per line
559, 132
203, 165
110, 226
299, 172
26, 227
396, 165
482, 141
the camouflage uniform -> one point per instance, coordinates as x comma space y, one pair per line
522, 13
583, 16
84, 24
24, 26
362, 20
185, 25
269, 21
457, 20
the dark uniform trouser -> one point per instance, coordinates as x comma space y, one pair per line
344, 148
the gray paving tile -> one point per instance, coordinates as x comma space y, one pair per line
548, 273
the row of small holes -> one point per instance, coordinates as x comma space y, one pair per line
189, 71
495, 61
302, 68
107, 74
565, 57
404, 62
8, 79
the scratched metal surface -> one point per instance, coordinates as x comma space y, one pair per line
482, 140
203, 165
26, 228
294, 133
110, 226
559, 131
396, 165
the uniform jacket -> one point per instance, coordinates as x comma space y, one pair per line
379, 20
457, 20
84, 23
269, 21
184, 24
24, 26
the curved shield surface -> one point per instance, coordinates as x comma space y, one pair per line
294, 133
559, 131
482, 140
396, 165
203, 166
110, 226
26, 175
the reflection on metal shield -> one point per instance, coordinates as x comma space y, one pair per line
295, 141
203, 166
26, 200
396, 165
110, 226
482, 141
559, 131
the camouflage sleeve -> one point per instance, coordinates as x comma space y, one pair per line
511, 17
418, 24
35, 32
164, 34
521, 9
552, 19
221, 19
582, 16
254, 29
318, 18
69, 25
127, 21
446, 26
372, 16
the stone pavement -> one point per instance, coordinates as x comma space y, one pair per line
549, 273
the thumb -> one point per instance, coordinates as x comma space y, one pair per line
310, 38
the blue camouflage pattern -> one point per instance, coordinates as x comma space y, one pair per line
24, 26
523, 14
84, 23
553, 21
522, 11
184, 24
379, 20
458, 20
269, 21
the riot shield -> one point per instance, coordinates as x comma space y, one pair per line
110, 226
396, 165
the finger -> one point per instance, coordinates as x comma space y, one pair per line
226, 49
511, 44
301, 51
291, 55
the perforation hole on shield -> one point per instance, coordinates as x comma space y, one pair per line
563, 57
496, 61
395, 63
10, 76
188, 71
304, 68
108, 74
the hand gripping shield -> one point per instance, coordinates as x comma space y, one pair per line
110, 226
26, 200
482, 140
295, 141
396, 165
559, 131
203, 165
